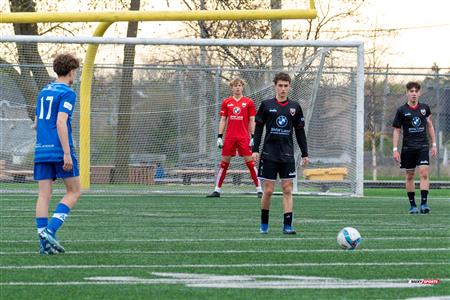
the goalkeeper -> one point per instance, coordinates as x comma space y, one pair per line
237, 114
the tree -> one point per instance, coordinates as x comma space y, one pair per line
33, 74
276, 29
120, 174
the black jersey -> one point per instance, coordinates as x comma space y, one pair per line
280, 120
413, 122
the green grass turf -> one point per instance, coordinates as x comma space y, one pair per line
139, 236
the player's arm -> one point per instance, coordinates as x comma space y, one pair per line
397, 124
302, 143
432, 134
63, 135
300, 134
301, 140
251, 129
222, 124
395, 138
258, 128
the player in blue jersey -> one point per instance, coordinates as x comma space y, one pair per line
54, 155
282, 118
414, 118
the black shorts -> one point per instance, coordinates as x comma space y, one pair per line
268, 169
411, 158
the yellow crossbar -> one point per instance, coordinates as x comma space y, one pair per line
135, 16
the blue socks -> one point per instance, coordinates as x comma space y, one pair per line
59, 215
41, 223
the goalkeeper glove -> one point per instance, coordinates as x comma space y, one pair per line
251, 142
219, 141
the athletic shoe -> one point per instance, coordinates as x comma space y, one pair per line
264, 228
424, 209
45, 248
51, 239
287, 229
214, 195
259, 194
413, 210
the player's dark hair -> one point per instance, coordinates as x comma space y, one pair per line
281, 77
413, 84
64, 63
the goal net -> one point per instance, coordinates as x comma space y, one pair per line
154, 123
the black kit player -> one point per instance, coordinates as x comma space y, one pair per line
281, 117
414, 118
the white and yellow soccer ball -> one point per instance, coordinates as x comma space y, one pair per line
349, 238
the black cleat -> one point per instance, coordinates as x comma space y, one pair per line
424, 209
287, 229
259, 194
214, 195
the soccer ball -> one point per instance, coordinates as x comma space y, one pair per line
349, 238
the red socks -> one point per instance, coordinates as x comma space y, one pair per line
222, 173
251, 167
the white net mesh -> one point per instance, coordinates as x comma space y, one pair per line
158, 135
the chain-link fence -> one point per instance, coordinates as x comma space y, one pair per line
384, 93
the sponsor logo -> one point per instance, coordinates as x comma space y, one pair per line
416, 122
423, 162
67, 105
423, 111
292, 174
282, 121
236, 110
292, 111
272, 110
407, 114
230, 104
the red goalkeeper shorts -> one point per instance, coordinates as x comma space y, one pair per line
241, 145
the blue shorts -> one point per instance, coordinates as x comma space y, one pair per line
53, 170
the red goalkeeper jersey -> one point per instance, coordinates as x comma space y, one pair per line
238, 114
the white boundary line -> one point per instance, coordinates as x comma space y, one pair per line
8, 195
261, 239
235, 251
225, 266
236, 281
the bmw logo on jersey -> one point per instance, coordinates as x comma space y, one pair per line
416, 122
282, 121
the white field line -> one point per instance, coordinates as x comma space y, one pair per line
8, 195
235, 251
225, 266
261, 239
236, 281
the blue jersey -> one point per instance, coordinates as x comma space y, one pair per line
54, 98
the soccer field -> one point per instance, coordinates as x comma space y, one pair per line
192, 247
